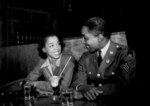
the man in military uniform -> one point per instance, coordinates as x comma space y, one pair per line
107, 68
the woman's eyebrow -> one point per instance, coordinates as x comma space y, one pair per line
50, 43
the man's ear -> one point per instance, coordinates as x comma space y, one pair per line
43, 49
100, 37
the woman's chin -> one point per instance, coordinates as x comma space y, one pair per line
57, 56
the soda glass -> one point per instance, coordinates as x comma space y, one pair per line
54, 81
67, 97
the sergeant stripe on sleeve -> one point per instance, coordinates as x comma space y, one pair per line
125, 67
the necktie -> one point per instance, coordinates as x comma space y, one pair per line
99, 58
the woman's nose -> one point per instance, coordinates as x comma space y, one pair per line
57, 47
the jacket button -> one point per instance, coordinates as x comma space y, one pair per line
117, 46
111, 52
89, 72
112, 73
107, 61
98, 75
99, 84
2, 94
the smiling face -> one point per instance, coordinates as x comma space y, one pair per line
91, 41
52, 47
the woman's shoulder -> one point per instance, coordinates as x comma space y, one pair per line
41, 61
66, 56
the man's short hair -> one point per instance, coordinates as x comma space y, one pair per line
98, 25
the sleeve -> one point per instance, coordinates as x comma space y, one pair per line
35, 73
128, 67
124, 75
80, 77
33, 76
68, 74
43, 86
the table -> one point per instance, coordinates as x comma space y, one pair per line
17, 99
46, 101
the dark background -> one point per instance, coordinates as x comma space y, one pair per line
68, 15
35, 17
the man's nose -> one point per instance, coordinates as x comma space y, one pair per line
86, 45
82, 41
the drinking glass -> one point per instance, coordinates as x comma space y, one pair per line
54, 81
27, 92
67, 97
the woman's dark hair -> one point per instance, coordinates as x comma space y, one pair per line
42, 42
98, 25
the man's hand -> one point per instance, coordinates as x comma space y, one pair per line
89, 92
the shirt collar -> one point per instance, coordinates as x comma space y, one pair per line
47, 62
104, 49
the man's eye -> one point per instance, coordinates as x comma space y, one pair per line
85, 39
58, 43
51, 46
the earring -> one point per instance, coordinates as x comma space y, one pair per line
44, 50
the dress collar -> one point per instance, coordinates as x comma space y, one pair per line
48, 63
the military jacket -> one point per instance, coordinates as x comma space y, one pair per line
115, 73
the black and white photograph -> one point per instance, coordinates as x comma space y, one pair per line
73, 53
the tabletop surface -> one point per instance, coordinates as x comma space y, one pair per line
18, 99
47, 101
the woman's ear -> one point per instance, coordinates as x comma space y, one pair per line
43, 49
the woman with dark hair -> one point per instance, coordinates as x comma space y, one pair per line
54, 64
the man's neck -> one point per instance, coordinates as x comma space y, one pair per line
104, 43
105, 48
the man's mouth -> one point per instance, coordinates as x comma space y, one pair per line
87, 46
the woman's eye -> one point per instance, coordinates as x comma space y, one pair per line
51, 46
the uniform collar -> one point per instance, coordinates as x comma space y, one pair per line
109, 57
104, 49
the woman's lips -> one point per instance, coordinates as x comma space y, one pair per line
57, 53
